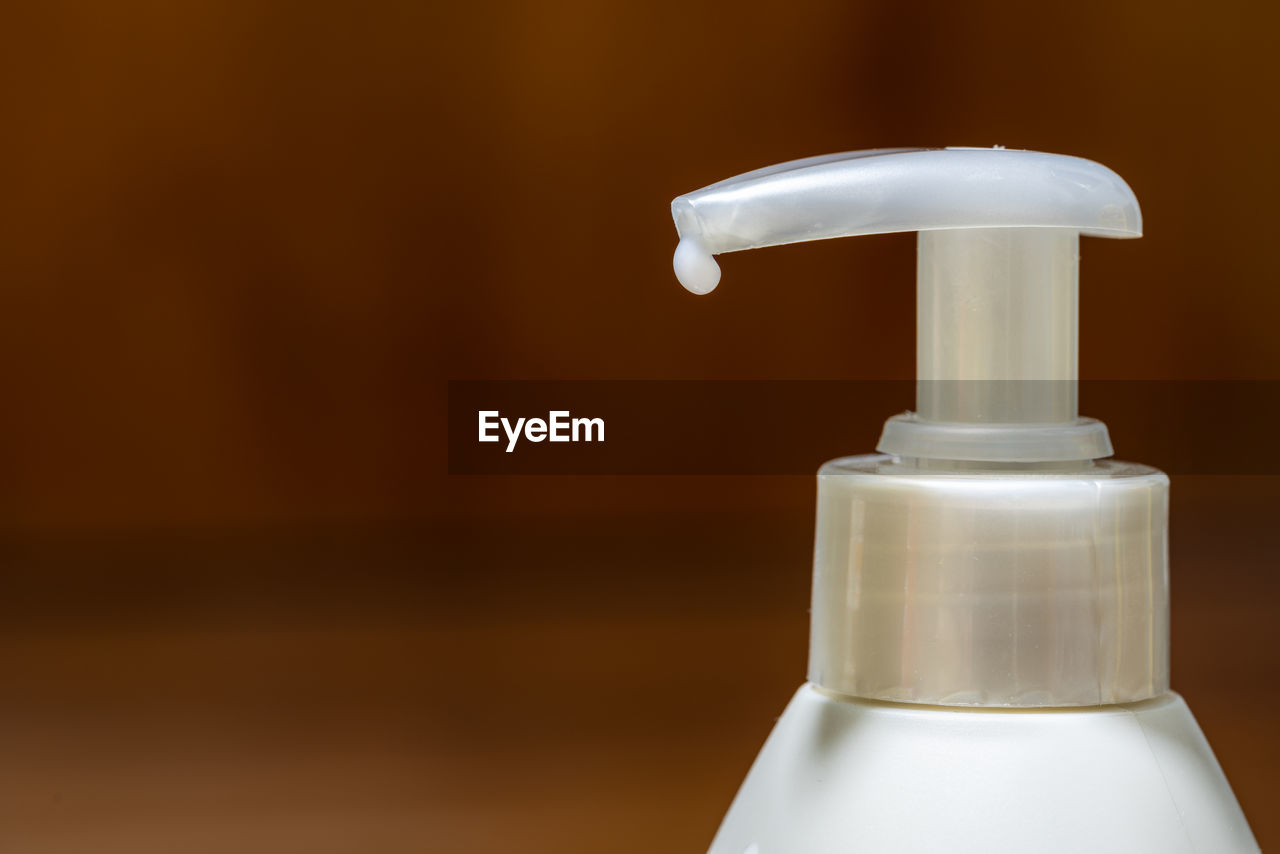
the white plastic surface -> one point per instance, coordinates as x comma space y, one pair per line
839, 776
888, 190
997, 274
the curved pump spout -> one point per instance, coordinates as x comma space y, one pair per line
996, 282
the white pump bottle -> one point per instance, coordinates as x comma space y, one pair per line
989, 653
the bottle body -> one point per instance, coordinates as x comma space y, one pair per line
841, 775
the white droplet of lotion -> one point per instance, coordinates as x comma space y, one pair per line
694, 266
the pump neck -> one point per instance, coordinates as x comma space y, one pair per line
996, 325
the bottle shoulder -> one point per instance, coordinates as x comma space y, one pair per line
838, 774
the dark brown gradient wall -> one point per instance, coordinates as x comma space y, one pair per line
243, 248
245, 244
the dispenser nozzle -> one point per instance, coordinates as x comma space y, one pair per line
889, 190
997, 276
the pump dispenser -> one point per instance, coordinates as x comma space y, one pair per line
989, 650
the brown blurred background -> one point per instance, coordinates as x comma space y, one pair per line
245, 245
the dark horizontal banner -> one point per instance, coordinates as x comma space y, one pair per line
785, 427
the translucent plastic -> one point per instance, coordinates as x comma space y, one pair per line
909, 435
882, 191
996, 313
1011, 588
997, 276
